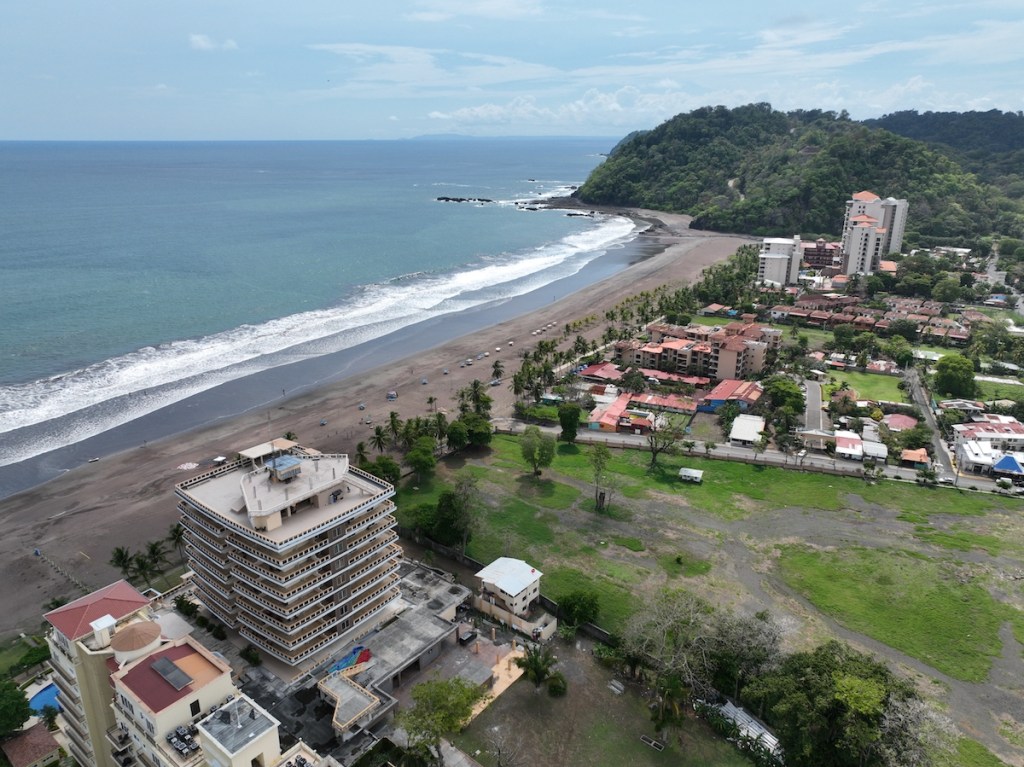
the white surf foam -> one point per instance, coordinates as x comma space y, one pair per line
153, 377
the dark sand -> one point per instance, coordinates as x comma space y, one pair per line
127, 499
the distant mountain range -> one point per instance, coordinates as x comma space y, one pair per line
760, 171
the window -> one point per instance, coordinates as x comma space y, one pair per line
194, 707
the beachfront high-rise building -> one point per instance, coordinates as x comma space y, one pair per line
872, 229
80, 648
778, 262
294, 549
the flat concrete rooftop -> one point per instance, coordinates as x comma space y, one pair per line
239, 492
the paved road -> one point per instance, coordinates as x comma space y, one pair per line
814, 416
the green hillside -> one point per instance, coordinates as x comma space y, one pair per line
760, 171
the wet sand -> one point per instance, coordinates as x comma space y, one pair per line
127, 499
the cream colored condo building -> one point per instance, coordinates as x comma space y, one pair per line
293, 549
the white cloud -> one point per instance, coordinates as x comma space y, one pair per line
206, 43
445, 10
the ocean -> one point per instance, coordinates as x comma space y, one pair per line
140, 276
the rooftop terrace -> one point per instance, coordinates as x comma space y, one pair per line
238, 494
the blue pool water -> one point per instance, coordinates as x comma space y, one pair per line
45, 697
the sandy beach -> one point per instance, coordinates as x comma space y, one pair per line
127, 499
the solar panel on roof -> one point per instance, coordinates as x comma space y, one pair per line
173, 675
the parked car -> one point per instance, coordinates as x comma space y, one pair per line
468, 637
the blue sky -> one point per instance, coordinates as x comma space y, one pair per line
351, 69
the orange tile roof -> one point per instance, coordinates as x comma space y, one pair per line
866, 196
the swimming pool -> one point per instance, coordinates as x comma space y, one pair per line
45, 697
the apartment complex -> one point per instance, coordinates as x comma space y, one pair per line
293, 549
736, 350
778, 262
160, 691
80, 650
872, 229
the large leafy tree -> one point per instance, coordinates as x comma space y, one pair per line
954, 375
421, 457
14, 708
440, 707
829, 707
537, 448
569, 418
663, 437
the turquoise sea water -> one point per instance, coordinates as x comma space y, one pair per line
172, 268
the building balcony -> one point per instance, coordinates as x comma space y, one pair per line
281, 579
212, 578
368, 550
192, 519
256, 601
287, 641
287, 596
195, 533
118, 739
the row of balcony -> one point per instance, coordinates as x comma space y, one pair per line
298, 656
252, 601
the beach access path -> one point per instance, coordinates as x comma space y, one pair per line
127, 499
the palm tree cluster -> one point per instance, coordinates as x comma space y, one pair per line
152, 560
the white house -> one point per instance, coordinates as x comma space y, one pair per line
511, 584
746, 430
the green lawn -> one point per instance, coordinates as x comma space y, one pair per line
913, 604
868, 386
989, 390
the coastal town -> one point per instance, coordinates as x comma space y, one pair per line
317, 616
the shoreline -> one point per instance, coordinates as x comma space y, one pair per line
127, 497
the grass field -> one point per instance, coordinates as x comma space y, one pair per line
989, 390
916, 605
884, 559
868, 386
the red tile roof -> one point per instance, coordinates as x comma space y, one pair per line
117, 600
155, 692
866, 196
30, 746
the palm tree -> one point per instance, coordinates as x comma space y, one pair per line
440, 428
537, 664
432, 403
394, 426
176, 537
379, 440
708, 447
361, 456
156, 552
143, 567
122, 559
497, 369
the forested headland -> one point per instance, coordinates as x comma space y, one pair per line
757, 170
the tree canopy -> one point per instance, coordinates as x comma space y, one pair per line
954, 375
14, 708
756, 170
538, 449
441, 706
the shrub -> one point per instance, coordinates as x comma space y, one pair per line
557, 685
218, 631
185, 606
251, 656
203, 622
